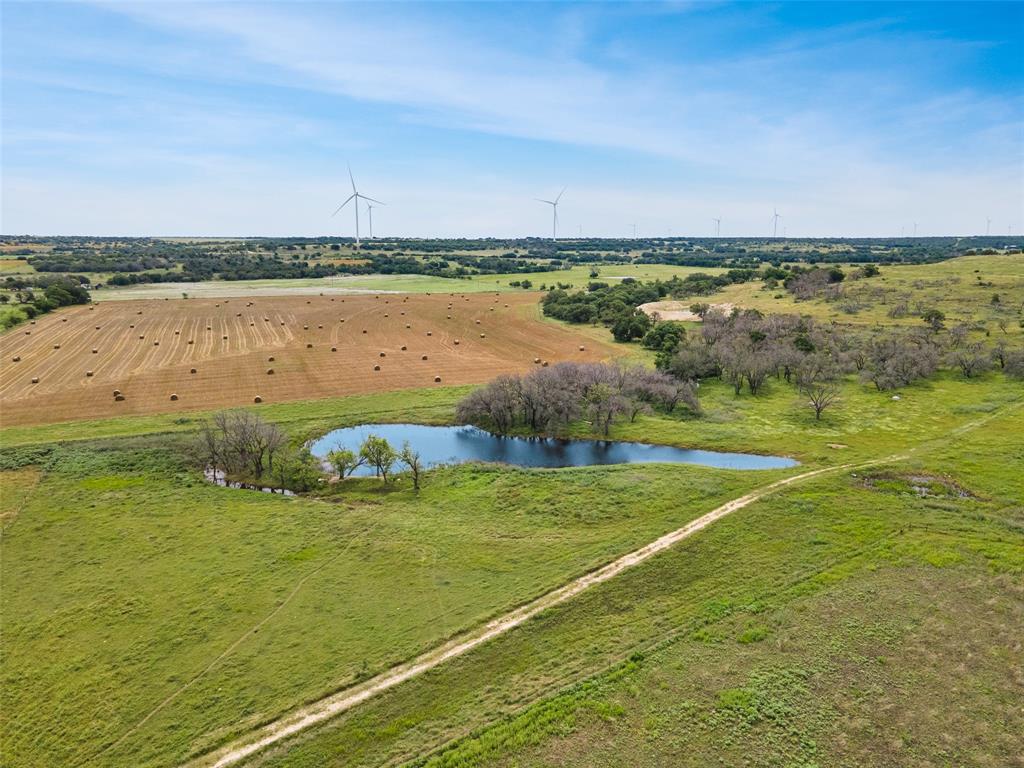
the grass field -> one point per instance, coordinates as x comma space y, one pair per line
578, 277
67, 364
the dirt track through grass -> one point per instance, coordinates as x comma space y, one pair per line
335, 704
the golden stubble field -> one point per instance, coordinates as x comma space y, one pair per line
218, 353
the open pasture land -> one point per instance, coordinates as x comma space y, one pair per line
321, 346
577, 277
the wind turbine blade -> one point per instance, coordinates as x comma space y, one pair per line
347, 201
549, 202
560, 194
378, 202
352, 179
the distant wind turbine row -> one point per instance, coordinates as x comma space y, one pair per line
356, 196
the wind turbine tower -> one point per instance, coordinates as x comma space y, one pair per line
554, 212
988, 227
357, 197
775, 222
718, 227
369, 212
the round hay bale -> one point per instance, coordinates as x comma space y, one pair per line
320, 327
142, 336
270, 359
478, 322
430, 333
16, 358
192, 370
238, 314
342, 320
56, 346
386, 315
483, 335
305, 327
364, 330
376, 367
536, 361
63, 319
131, 325
97, 327
95, 351
173, 396
28, 333
257, 399
449, 317
544, 364
270, 371
177, 333
382, 354
209, 328
424, 357
403, 313
118, 398
407, 325
282, 322
437, 379
91, 308
309, 346
403, 347
35, 379
456, 342
582, 348
117, 392
156, 343
191, 341
140, 311
334, 349
225, 338
492, 309
88, 373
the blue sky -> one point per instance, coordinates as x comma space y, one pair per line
239, 118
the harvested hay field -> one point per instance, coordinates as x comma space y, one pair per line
119, 358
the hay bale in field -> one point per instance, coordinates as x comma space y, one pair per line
28, 333
430, 333
437, 379
142, 336
118, 398
376, 367
270, 359
16, 358
424, 357
177, 333
407, 325
140, 311
478, 322
209, 328
88, 373
364, 330
173, 396
305, 327
191, 341
252, 325
483, 335
403, 347
257, 399
309, 346
582, 348
386, 315
320, 327
282, 322
56, 346
35, 379
238, 314
97, 327
536, 361
456, 342
341, 319
192, 370
63, 319
95, 351
225, 338
334, 349
382, 354
117, 392
544, 364
270, 371
449, 317
131, 325
156, 343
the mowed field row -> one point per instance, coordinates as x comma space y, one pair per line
209, 353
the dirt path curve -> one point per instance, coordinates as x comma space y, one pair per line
328, 707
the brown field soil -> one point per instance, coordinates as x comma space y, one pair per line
233, 371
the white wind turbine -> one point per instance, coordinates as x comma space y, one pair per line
554, 212
369, 212
718, 226
357, 197
775, 222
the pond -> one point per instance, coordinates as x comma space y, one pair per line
454, 445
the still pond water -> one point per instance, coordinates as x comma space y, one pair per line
454, 445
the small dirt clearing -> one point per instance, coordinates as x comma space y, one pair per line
323, 346
678, 310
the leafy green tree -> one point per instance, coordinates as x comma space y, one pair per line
378, 453
344, 461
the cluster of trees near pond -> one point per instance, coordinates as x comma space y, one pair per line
745, 349
239, 446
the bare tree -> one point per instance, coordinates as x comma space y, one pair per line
971, 359
240, 443
817, 379
411, 459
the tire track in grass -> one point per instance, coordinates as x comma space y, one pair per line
231, 648
330, 706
